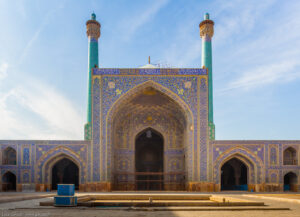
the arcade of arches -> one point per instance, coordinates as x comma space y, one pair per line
148, 137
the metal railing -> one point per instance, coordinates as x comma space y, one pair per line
149, 181
290, 162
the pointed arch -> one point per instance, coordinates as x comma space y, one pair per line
140, 131
235, 173
52, 161
254, 164
290, 180
136, 90
290, 156
63, 164
9, 181
9, 156
149, 157
44, 164
181, 108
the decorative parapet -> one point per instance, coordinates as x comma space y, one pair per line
142, 71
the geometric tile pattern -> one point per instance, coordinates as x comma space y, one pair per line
174, 102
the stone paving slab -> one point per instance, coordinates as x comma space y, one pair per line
286, 198
32, 208
62, 212
157, 200
290, 196
5, 198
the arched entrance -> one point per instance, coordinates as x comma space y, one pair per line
153, 109
234, 175
9, 182
65, 172
149, 149
290, 182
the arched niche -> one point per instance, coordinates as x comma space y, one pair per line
9, 181
64, 171
290, 156
149, 160
234, 175
9, 156
290, 181
148, 106
254, 164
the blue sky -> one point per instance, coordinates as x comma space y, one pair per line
43, 60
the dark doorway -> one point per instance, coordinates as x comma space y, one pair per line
9, 182
65, 172
149, 149
234, 175
290, 182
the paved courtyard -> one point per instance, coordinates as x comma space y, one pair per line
30, 207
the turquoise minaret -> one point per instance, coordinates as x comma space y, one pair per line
93, 33
206, 33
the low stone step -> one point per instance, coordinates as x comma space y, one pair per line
164, 203
211, 208
147, 196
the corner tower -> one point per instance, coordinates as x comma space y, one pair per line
93, 33
206, 33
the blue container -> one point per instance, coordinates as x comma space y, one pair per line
286, 187
65, 189
243, 187
65, 201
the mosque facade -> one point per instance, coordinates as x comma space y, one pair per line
150, 128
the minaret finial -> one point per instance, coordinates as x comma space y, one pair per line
93, 16
149, 59
206, 16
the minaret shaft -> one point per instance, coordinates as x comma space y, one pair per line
93, 33
206, 33
207, 63
92, 62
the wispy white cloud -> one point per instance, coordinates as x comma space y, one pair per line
266, 74
50, 105
233, 17
237, 18
30, 43
37, 33
263, 53
10, 126
184, 48
135, 21
3, 70
182, 55
49, 115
